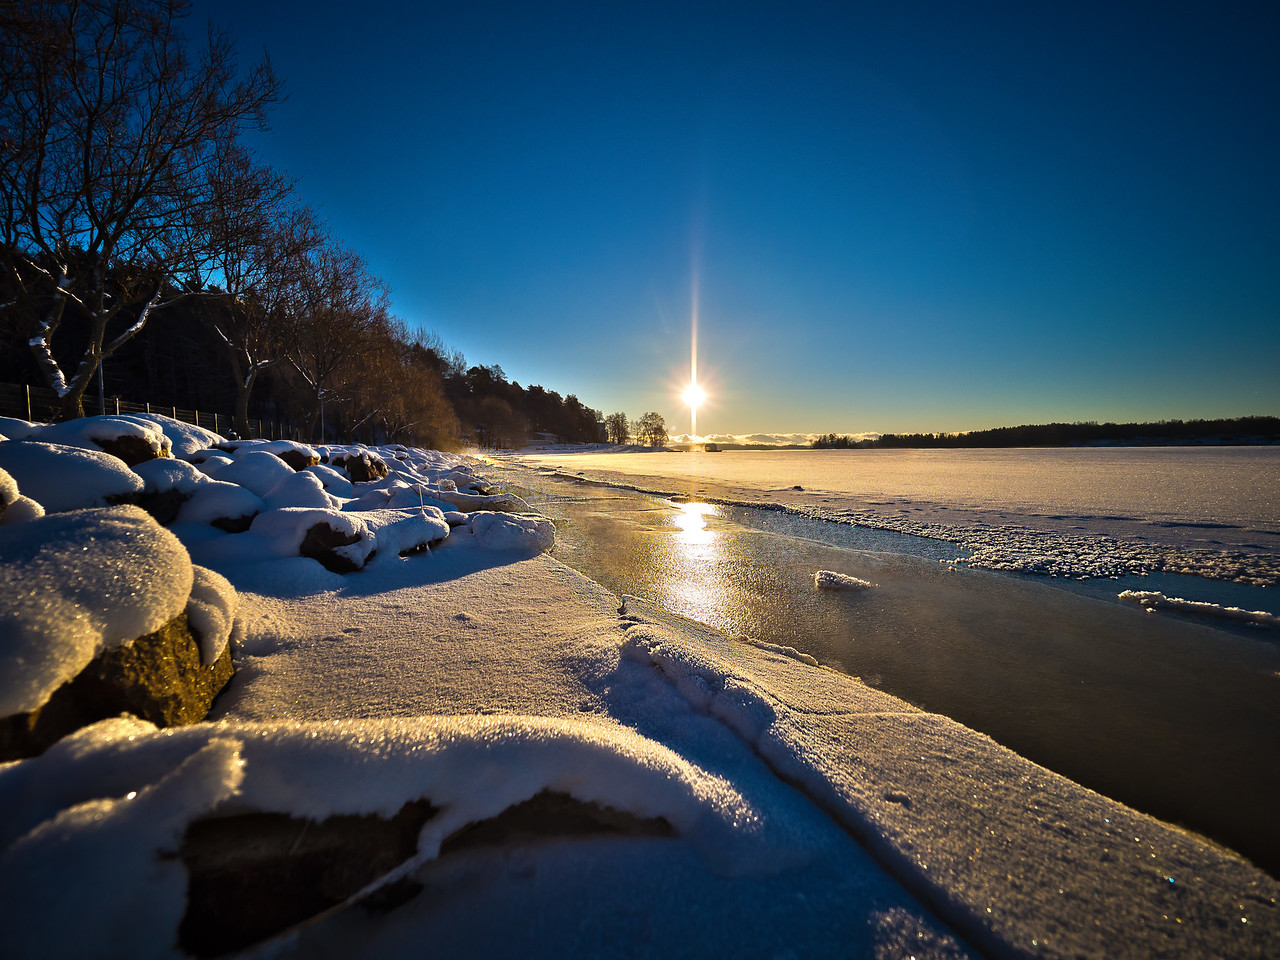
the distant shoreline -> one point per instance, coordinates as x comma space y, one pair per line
1235, 432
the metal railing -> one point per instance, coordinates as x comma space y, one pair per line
40, 405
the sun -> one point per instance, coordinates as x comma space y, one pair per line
693, 395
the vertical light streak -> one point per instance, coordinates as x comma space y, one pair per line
693, 356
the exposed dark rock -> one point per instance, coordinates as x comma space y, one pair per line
553, 816
298, 459
252, 876
418, 548
361, 467
255, 875
132, 450
158, 677
320, 543
233, 524
162, 505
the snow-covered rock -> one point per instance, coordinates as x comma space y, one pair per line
505, 531
117, 799
185, 439
341, 542
79, 585
361, 465
14, 429
301, 489
256, 470
62, 477
132, 440
405, 531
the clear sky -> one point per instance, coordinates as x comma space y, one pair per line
900, 216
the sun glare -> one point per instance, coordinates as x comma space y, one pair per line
694, 395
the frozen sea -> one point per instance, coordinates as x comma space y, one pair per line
1175, 714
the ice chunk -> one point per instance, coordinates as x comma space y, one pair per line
67, 478
76, 584
830, 580
1153, 600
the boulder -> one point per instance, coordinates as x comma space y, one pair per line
158, 677
341, 542
321, 542
61, 477
132, 450
253, 875
361, 465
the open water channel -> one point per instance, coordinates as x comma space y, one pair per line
1176, 718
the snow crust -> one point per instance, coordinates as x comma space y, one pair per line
78, 583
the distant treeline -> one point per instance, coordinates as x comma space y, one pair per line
1235, 430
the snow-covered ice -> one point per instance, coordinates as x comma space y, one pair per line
808, 814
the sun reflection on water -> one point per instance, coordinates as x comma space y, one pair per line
692, 521
695, 587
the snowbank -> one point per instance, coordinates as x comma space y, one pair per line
114, 801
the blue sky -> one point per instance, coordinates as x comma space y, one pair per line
901, 216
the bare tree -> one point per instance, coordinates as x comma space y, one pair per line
258, 243
337, 310
617, 428
652, 430
106, 127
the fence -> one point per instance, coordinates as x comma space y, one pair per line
40, 405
